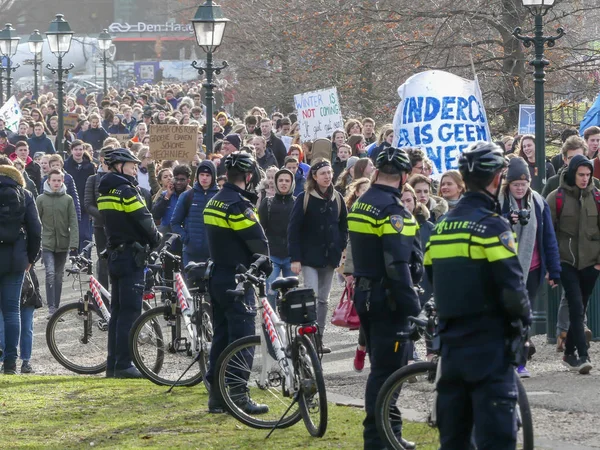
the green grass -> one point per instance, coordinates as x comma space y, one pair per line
52, 412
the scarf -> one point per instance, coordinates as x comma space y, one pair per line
325, 195
526, 235
452, 203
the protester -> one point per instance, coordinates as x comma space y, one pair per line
163, 208
527, 152
452, 188
436, 206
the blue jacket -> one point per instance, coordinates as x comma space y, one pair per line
40, 144
162, 210
545, 238
188, 221
72, 191
95, 137
299, 179
318, 237
80, 173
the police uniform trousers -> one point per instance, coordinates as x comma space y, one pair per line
233, 318
127, 281
477, 387
389, 349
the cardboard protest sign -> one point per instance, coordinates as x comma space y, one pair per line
173, 142
122, 138
11, 114
319, 113
70, 120
441, 113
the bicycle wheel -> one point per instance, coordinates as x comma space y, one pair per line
162, 349
524, 419
409, 394
205, 336
312, 396
245, 368
78, 340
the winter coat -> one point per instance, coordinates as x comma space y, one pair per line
267, 160
60, 230
299, 181
426, 227
578, 228
550, 172
95, 137
16, 257
90, 200
437, 207
130, 126
277, 146
545, 236
40, 144
80, 173
274, 215
162, 210
377, 150
338, 167
117, 129
552, 183
318, 237
71, 190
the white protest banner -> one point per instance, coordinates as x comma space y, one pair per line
319, 113
11, 114
441, 113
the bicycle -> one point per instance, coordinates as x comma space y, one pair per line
414, 385
279, 367
166, 342
76, 333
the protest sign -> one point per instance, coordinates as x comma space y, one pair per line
70, 120
526, 119
11, 114
173, 142
441, 113
319, 113
122, 138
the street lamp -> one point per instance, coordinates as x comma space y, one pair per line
104, 43
9, 42
36, 44
539, 8
209, 27
59, 40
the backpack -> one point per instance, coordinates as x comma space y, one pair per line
338, 200
12, 212
560, 200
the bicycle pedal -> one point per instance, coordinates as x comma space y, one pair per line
102, 325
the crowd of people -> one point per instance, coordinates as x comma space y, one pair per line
303, 202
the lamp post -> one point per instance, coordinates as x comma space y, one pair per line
9, 42
36, 44
539, 8
104, 43
59, 40
209, 27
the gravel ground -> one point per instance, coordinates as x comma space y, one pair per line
565, 406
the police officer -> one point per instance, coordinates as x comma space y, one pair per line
479, 291
129, 230
384, 242
234, 235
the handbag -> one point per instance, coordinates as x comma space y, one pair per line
345, 315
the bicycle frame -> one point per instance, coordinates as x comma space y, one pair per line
97, 289
187, 307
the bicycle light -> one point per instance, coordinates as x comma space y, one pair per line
311, 329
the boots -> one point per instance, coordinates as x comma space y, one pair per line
241, 398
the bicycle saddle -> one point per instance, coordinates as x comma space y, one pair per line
285, 283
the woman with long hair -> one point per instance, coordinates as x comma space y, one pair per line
423, 189
527, 152
357, 145
452, 188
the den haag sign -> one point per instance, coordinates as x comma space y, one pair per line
142, 27
319, 113
173, 142
441, 113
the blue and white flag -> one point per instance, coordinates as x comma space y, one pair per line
441, 113
591, 118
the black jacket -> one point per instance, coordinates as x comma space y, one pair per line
277, 146
90, 199
267, 160
126, 217
274, 213
80, 173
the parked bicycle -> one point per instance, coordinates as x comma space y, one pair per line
409, 394
170, 343
280, 367
77, 333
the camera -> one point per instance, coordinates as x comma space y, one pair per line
523, 215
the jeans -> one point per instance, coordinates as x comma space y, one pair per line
102, 263
55, 268
281, 266
26, 341
10, 302
85, 230
126, 292
578, 286
319, 280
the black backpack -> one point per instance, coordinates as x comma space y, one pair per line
12, 212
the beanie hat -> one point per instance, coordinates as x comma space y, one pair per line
221, 114
351, 161
518, 169
234, 139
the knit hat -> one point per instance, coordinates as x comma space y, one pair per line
234, 139
351, 161
221, 114
208, 167
518, 169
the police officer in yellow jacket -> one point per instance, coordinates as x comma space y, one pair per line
129, 229
482, 303
234, 235
385, 244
